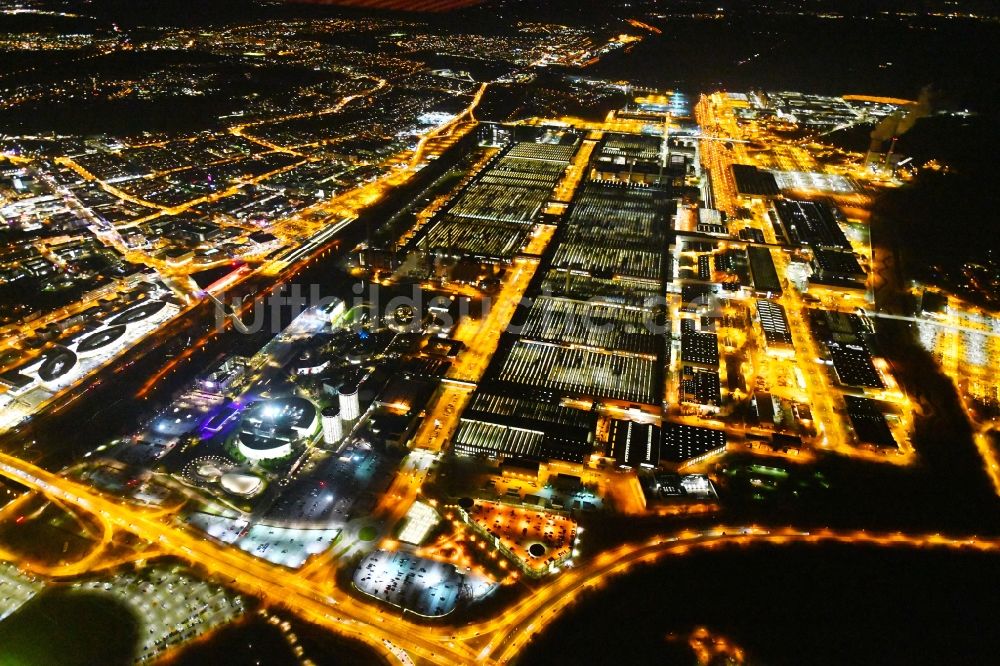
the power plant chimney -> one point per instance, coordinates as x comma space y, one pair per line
888, 156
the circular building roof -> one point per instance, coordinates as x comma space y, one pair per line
288, 412
402, 318
209, 471
57, 363
244, 485
271, 426
138, 312
100, 339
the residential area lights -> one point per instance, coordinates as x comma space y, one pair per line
650, 319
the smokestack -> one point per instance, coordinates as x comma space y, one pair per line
892, 147
916, 111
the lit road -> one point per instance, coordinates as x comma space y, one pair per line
244, 572
819, 386
966, 343
715, 156
298, 230
241, 130
522, 622
481, 336
94, 559
574, 173
501, 639
441, 420
493, 641
448, 127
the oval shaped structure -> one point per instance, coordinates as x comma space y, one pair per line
270, 427
101, 339
209, 472
137, 313
57, 363
244, 485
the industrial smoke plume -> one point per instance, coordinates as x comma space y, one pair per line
902, 120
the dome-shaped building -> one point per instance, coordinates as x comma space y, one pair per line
271, 427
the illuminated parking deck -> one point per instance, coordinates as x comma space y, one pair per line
417, 584
538, 541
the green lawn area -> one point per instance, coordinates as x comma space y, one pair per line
367, 533
68, 628
49, 536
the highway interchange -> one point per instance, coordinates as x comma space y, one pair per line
498, 640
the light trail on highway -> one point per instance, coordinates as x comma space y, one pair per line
530, 617
347, 205
498, 640
255, 577
447, 127
501, 639
343, 207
